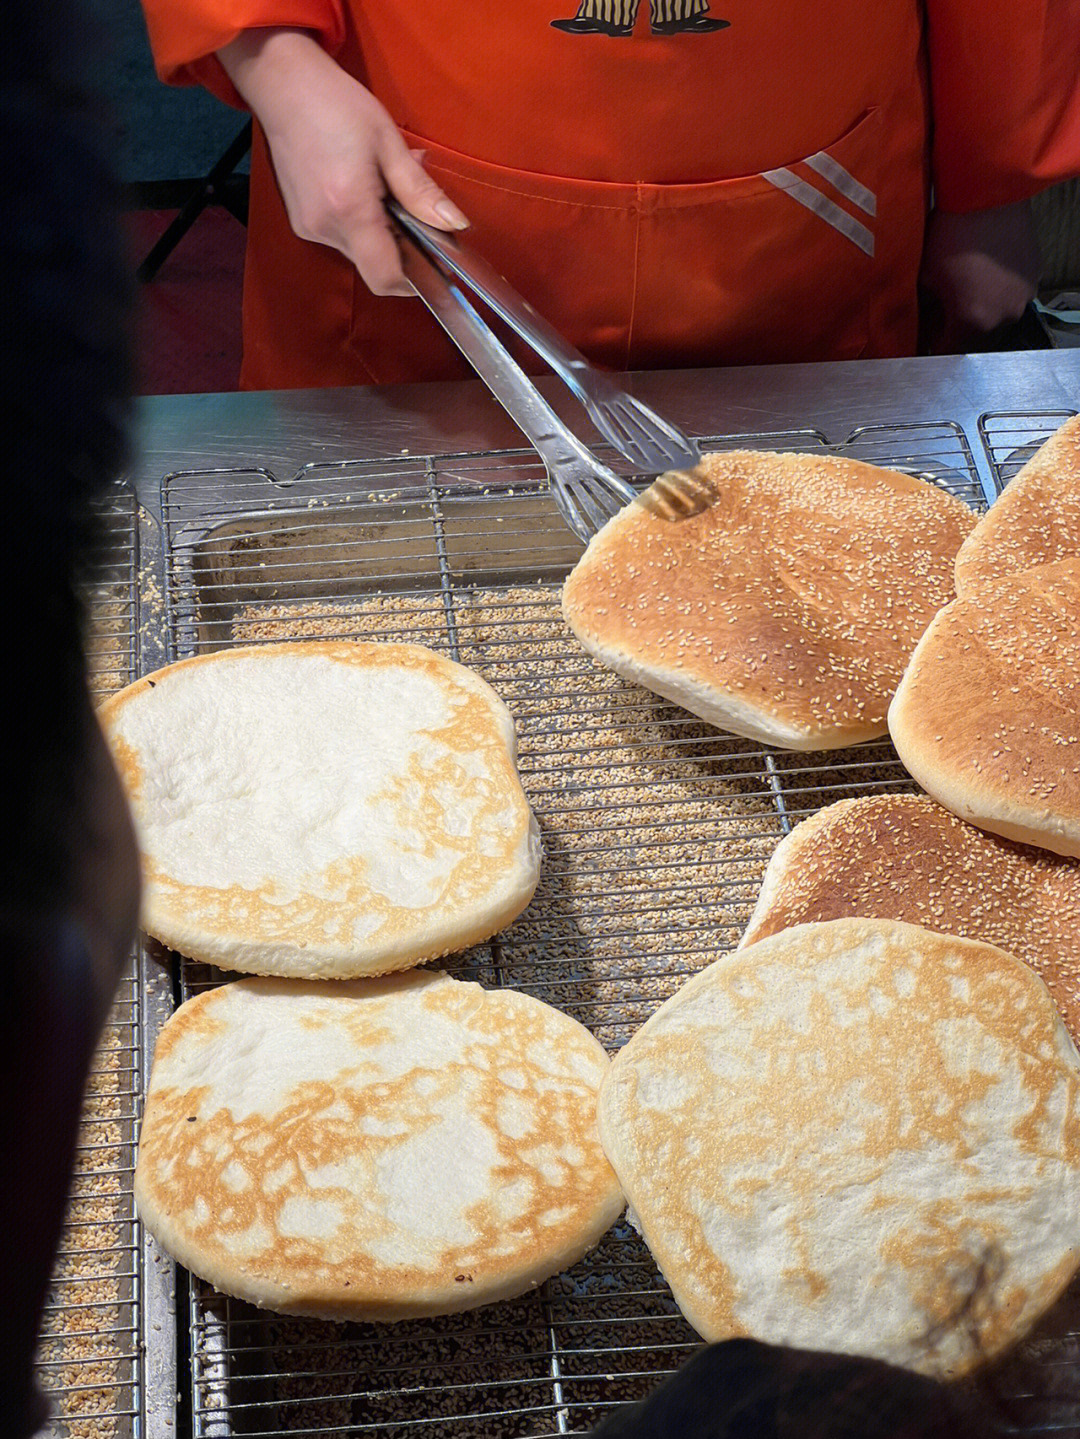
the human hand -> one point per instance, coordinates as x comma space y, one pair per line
979, 271
336, 152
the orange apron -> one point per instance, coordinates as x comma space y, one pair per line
667, 197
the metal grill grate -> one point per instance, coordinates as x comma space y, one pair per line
111, 595
88, 1358
656, 830
1010, 438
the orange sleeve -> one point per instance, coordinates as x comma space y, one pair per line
186, 34
1005, 86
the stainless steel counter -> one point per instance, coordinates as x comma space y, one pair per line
283, 430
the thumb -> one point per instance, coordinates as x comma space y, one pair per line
413, 187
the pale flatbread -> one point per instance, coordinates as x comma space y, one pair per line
903, 856
1034, 521
324, 809
785, 612
987, 716
856, 1136
374, 1149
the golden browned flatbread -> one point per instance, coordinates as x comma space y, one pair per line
324, 809
374, 1149
906, 857
785, 612
987, 715
1034, 521
856, 1136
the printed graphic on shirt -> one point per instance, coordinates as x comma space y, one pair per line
617, 17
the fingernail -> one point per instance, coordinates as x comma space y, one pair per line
418, 155
451, 215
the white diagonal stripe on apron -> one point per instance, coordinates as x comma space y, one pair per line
842, 180
822, 206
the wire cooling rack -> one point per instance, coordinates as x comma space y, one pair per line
1010, 438
656, 832
110, 594
89, 1360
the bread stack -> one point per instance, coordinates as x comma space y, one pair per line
860, 1131
987, 716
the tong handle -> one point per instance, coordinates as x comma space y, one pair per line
442, 293
568, 362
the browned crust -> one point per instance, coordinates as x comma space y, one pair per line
908, 858
1035, 521
986, 717
354, 652
509, 1049
791, 605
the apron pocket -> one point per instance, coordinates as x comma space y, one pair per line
781, 267
762, 268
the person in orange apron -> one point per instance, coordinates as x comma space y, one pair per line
750, 194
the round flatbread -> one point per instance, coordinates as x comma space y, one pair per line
373, 1149
786, 611
987, 715
903, 856
323, 810
856, 1136
1034, 521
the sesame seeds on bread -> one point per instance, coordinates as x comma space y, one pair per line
905, 857
787, 610
325, 809
1034, 521
856, 1136
374, 1149
987, 716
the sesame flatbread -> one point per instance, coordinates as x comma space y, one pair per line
323, 809
787, 610
1034, 521
903, 856
374, 1149
856, 1136
987, 715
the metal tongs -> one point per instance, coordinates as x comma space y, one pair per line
441, 269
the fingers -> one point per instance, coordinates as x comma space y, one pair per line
369, 241
351, 218
374, 251
413, 187
374, 248
372, 245
337, 153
